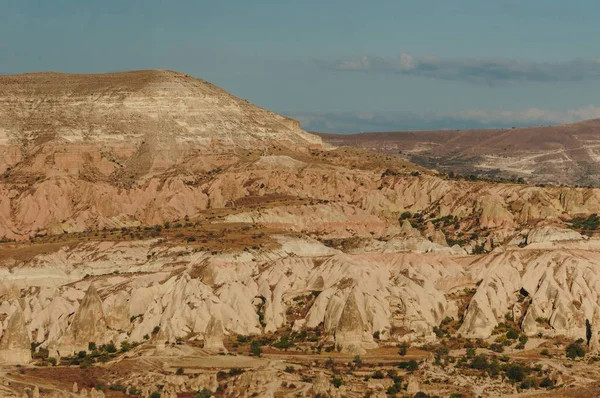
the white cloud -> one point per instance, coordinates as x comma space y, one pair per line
474, 70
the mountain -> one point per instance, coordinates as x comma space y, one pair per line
132, 123
567, 154
160, 236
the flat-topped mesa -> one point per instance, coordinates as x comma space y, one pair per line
88, 325
15, 344
142, 120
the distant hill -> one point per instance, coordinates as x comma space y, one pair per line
566, 154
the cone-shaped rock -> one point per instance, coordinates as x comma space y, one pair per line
350, 329
88, 325
15, 345
213, 336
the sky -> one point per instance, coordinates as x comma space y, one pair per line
337, 66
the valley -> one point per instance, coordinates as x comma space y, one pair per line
163, 238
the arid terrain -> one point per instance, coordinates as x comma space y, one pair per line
556, 155
163, 238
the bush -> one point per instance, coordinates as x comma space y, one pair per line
91, 346
179, 371
255, 350
546, 383
516, 372
378, 374
523, 339
155, 394
512, 334
284, 343
117, 387
480, 362
403, 349
411, 365
205, 393
545, 352
337, 381
575, 350
235, 371
497, 347
156, 330
126, 346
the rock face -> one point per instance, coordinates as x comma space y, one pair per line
88, 325
15, 345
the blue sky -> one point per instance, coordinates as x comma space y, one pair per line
338, 66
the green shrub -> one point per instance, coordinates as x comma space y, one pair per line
546, 382
255, 349
516, 372
204, 393
378, 374
337, 381
480, 362
545, 352
403, 349
411, 365
235, 371
117, 387
575, 350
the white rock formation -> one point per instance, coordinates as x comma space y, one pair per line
15, 345
88, 325
213, 336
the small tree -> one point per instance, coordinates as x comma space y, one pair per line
403, 349
179, 371
255, 349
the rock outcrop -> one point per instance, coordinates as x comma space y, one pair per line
213, 336
88, 325
15, 345
351, 335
